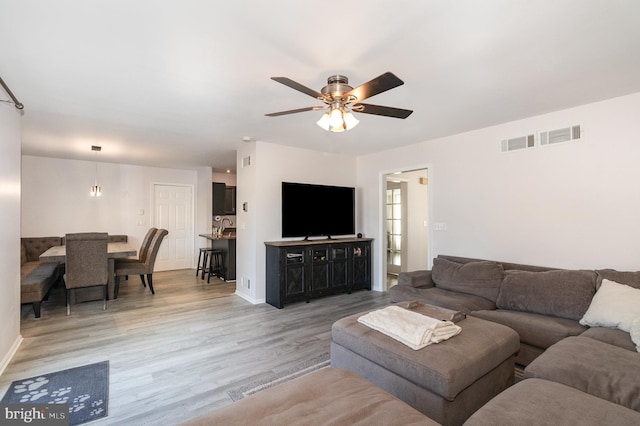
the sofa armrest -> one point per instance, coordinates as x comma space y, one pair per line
421, 279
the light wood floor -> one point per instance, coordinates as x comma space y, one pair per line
174, 355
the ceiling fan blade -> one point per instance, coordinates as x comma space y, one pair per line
378, 85
382, 110
297, 86
293, 111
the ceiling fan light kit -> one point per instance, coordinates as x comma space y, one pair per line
337, 120
341, 99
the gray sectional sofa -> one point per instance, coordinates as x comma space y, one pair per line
545, 306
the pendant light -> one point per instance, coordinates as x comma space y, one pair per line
96, 190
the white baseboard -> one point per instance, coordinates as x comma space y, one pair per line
7, 359
250, 299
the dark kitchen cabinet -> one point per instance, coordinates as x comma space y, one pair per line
224, 199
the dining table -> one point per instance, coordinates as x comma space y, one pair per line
116, 250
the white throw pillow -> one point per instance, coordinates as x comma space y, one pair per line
613, 305
635, 332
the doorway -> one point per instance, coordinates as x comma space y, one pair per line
173, 211
406, 222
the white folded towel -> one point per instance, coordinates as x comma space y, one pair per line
411, 328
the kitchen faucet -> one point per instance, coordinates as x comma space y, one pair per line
222, 224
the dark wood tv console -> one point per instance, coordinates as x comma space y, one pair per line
305, 270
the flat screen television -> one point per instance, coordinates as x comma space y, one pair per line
310, 210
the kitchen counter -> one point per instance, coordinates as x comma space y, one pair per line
230, 236
227, 244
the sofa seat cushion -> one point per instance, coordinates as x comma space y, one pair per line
543, 402
481, 278
36, 279
444, 298
27, 268
561, 293
598, 368
329, 396
420, 278
536, 330
444, 368
612, 336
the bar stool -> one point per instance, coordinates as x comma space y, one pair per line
203, 258
216, 265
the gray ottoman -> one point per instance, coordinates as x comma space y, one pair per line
541, 402
447, 381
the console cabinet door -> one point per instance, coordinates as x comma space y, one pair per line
360, 254
339, 267
319, 262
295, 275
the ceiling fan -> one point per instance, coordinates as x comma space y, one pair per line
341, 99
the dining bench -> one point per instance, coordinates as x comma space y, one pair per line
37, 278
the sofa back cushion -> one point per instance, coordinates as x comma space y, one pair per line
623, 277
560, 293
481, 278
35, 246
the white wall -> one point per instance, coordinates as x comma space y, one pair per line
203, 207
260, 186
229, 179
9, 232
56, 201
573, 205
246, 222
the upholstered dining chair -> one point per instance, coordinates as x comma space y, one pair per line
142, 254
87, 263
141, 268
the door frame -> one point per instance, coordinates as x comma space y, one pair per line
381, 248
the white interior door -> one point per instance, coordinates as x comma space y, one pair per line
173, 208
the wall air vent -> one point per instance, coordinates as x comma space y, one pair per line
516, 144
566, 134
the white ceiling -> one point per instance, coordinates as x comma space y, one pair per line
179, 83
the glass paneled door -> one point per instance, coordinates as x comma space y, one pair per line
395, 226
